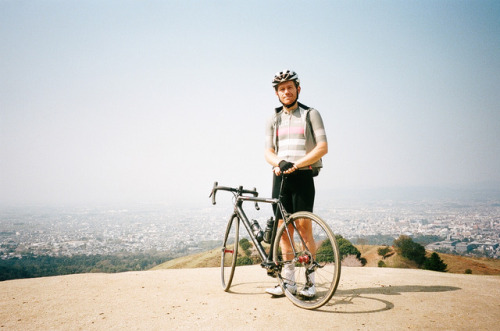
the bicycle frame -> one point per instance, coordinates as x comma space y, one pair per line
246, 222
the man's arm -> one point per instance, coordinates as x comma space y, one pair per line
271, 157
313, 156
273, 160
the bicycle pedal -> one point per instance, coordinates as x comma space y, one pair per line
270, 268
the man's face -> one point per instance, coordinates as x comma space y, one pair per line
288, 93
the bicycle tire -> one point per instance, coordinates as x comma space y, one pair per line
229, 253
324, 263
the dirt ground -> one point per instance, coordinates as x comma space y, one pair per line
179, 299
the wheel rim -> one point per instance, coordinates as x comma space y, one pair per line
229, 252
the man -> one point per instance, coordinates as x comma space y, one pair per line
295, 143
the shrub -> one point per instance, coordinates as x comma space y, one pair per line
381, 264
245, 244
435, 263
244, 260
351, 261
363, 261
468, 271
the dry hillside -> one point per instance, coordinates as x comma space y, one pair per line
456, 264
206, 259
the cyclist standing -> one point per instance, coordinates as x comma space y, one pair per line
295, 143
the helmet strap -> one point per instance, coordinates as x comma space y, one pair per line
287, 107
292, 105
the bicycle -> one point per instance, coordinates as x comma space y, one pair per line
317, 262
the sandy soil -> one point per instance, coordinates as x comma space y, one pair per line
367, 299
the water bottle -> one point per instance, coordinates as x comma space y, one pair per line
256, 230
269, 230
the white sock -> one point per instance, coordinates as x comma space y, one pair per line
289, 273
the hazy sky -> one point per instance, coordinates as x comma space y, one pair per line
153, 101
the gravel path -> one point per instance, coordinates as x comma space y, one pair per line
367, 299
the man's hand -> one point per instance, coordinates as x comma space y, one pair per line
285, 165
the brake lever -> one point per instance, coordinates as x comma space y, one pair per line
256, 194
212, 194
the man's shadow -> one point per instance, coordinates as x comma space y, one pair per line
344, 298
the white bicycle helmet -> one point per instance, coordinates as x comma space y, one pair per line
285, 76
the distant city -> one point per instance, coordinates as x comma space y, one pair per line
465, 228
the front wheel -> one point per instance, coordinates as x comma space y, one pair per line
308, 255
229, 252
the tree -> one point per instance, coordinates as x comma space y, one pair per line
406, 247
435, 263
346, 247
324, 253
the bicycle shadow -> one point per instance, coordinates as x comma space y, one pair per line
355, 301
350, 301
250, 288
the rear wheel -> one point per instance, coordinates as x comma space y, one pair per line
229, 252
306, 262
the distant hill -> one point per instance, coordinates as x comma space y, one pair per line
478, 266
456, 264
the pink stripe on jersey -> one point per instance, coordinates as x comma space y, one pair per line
291, 130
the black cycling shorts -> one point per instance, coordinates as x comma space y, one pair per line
298, 191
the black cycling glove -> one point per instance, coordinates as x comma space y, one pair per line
285, 165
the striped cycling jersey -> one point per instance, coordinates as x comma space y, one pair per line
290, 136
